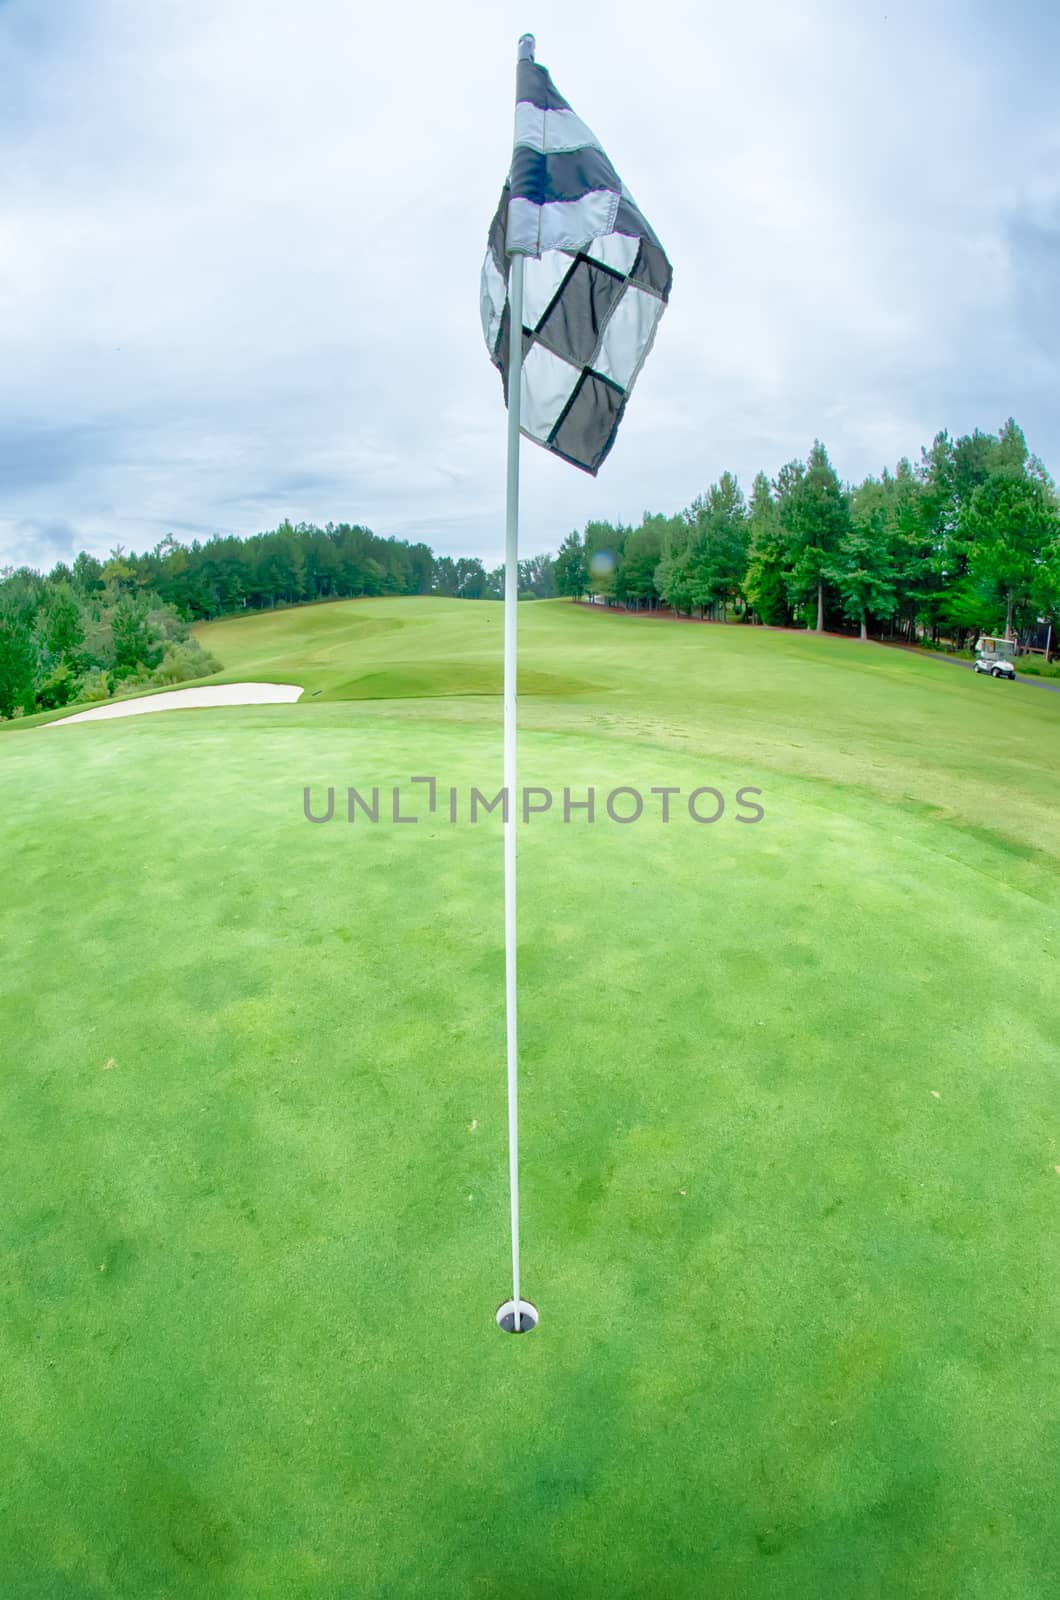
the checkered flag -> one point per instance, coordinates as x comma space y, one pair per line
596, 279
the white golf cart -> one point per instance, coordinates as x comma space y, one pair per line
996, 656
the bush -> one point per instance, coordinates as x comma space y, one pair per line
57, 689
166, 625
181, 661
1035, 668
95, 685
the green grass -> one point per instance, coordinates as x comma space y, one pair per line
798, 1315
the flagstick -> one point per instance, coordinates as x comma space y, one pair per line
511, 603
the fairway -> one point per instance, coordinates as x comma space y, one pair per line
791, 1165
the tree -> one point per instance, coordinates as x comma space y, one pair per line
1045, 595
495, 584
764, 582
974, 458
912, 544
1011, 525
640, 560
1011, 449
667, 582
23, 592
572, 567
446, 579
815, 516
603, 546
470, 578
286, 564
964, 608
863, 570
537, 577
671, 574
420, 569
63, 628
118, 572
18, 665
721, 534
135, 645
88, 573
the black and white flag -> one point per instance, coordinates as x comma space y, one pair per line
596, 279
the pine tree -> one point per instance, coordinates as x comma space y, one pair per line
572, 567
1011, 526
764, 581
863, 570
18, 665
815, 515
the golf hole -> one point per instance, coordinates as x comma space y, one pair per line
527, 1316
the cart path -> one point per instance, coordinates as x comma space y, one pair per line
931, 655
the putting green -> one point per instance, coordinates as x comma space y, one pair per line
789, 1128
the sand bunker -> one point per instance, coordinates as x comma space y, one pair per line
219, 694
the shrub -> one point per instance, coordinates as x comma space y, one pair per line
185, 659
95, 685
57, 689
181, 661
1038, 669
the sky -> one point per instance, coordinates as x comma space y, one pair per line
240, 246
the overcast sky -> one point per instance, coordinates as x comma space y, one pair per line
240, 246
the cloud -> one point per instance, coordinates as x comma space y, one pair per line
240, 249
35, 455
41, 544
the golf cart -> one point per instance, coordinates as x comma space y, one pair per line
996, 656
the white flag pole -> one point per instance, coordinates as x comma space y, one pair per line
511, 604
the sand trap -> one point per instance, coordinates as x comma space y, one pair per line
220, 694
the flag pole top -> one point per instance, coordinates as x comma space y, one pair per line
526, 47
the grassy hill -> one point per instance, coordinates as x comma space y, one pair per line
789, 1134
879, 721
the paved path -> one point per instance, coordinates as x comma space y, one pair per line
207, 694
932, 655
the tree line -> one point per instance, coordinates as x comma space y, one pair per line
965, 540
93, 628
86, 632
